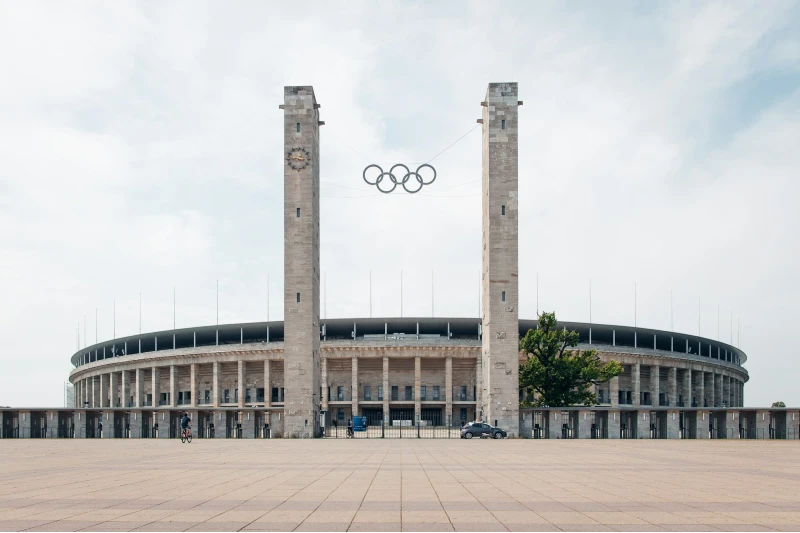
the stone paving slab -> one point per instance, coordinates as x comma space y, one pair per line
394, 485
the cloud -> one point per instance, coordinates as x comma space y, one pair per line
142, 149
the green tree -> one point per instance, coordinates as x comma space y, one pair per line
560, 376
778, 404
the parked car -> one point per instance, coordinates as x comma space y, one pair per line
479, 429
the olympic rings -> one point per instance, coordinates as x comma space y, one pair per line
395, 181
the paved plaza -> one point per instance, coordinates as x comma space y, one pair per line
392, 485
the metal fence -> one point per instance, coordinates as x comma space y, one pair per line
396, 432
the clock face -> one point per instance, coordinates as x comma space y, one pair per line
297, 158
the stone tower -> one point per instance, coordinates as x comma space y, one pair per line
500, 278
301, 262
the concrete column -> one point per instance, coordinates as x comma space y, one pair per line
94, 392
711, 397
732, 422
584, 425
700, 389
387, 391
762, 424
324, 383
718, 390
417, 385
268, 386
124, 392
215, 385
478, 387
673, 424
613, 391
740, 393
354, 385
655, 383
732, 391
112, 388
103, 393
108, 423
173, 386
726, 391
155, 386
672, 381
80, 425
613, 424
193, 385
554, 427
220, 425
448, 391
637, 384
138, 394
643, 425
701, 429
793, 425
241, 384
136, 424
248, 424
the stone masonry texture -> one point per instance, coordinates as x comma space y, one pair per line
500, 272
301, 263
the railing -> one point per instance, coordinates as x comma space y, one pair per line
383, 431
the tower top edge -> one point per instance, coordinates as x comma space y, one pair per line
299, 90
502, 89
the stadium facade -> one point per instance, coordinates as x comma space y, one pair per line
303, 377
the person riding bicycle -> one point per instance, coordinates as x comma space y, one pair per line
349, 428
186, 422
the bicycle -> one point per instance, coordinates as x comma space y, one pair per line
186, 435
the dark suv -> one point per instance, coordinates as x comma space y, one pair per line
479, 429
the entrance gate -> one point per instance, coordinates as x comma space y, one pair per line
627, 424
66, 426
147, 425
599, 429
374, 416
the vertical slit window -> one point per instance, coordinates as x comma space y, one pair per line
503, 296
298, 126
502, 125
298, 297
503, 210
298, 212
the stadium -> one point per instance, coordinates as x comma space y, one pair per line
403, 372
407, 377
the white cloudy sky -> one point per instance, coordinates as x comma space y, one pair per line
141, 149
